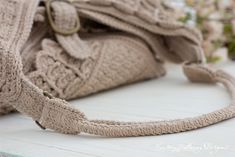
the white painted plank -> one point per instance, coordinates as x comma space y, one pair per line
165, 98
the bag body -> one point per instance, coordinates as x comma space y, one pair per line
113, 47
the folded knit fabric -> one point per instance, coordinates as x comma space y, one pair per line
119, 42
56, 50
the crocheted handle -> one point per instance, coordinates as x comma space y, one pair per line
65, 119
59, 115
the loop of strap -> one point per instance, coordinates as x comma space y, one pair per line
68, 31
71, 42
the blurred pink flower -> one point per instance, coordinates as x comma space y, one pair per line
216, 20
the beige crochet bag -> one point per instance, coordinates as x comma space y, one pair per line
54, 50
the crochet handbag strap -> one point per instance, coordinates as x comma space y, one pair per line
16, 20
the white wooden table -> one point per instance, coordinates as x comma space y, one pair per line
168, 97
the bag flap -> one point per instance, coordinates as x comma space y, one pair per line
151, 21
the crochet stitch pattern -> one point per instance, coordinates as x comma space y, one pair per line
41, 66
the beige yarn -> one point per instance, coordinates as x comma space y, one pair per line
37, 65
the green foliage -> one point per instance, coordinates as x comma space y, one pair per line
213, 59
186, 18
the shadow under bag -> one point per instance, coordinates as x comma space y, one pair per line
53, 51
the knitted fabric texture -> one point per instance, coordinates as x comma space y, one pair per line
120, 51
119, 42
